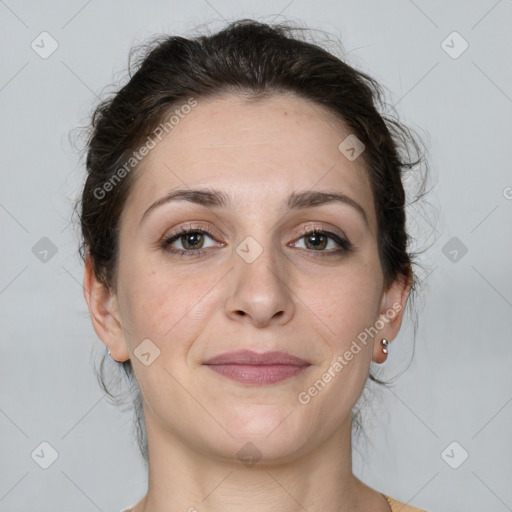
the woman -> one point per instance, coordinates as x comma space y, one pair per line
246, 260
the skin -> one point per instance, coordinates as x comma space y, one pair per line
289, 299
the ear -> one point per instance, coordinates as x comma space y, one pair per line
104, 311
391, 313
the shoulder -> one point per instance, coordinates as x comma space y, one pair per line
398, 506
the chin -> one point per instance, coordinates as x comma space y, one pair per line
270, 431
250, 450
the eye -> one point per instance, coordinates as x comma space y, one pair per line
318, 240
191, 240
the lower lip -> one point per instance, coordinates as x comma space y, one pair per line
258, 374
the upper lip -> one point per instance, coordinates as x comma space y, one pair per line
250, 357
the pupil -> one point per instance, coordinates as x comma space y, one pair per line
192, 239
319, 242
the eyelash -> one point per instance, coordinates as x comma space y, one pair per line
345, 245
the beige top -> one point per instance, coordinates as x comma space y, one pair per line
396, 506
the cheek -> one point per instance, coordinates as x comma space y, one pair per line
343, 305
347, 309
160, 302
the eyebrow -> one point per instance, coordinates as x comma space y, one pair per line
217, 199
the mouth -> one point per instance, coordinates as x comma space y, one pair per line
257, 368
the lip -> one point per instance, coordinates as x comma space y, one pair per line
257, 368
249, 357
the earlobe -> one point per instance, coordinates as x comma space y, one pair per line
104, 312
393, 303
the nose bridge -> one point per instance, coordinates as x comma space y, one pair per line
258, 261
258, 246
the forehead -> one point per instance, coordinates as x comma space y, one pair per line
254, 150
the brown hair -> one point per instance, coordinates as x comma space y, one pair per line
252, 59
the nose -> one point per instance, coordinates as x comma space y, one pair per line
260, 293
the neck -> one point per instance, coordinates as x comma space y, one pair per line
192, 479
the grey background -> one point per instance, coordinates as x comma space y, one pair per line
459, 385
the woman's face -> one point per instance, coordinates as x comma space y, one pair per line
248, 276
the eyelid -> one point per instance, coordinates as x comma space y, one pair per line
192, 227
302, 231
307, 229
